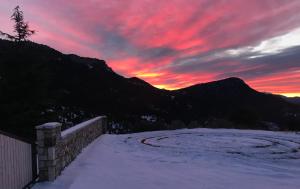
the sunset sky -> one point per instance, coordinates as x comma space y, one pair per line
175, 43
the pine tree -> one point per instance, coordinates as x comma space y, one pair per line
21, 28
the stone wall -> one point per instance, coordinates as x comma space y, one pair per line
57, 149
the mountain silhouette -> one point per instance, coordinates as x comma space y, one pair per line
295, 100
39, 84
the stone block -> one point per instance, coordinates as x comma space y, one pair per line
51, 173
51, 153
40, 150
50, 163
43, 175
43, 157
40, 143
39, 135
42, 164
50, 141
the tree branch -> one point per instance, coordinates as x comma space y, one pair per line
7, 36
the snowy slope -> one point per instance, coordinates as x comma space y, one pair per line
186, 159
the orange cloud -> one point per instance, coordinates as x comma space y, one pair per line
171, 44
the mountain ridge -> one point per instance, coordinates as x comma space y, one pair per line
39, 84
294, 100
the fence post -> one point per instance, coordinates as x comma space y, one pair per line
48, 138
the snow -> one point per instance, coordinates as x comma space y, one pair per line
90, 66
49, 125
189, 159
79, 126
149, 118
50, 110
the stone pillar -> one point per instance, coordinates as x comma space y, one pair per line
48, 137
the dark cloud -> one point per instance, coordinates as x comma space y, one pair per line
289, 59
240, 66
117, 46
156, 53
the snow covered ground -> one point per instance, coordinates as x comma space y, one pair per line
186, 159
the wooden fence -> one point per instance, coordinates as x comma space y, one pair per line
19, 167
17, 162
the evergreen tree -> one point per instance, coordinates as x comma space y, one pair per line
21, 28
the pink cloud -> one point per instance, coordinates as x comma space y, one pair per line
146, 38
